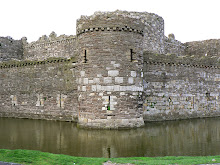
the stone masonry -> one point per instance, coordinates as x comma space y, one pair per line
118, 71
10, 49
110, 83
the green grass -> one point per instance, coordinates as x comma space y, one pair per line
44, 158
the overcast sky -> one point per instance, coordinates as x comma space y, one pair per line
189, 20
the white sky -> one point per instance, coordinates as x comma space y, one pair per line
189, 20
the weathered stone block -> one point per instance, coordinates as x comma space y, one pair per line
116, 87
85, 80
94, 87
113, 73
82, 73
130, 80
99, 75
96, 80
91, 81
122, 93
98, 87
84, 88
107, 80
119, 80
133, 74
116, 65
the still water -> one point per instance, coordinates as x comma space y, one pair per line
186, 137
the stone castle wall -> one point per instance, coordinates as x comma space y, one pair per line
10, 49
180, 87
119, 70
38, 90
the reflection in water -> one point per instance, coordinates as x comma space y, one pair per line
186, 137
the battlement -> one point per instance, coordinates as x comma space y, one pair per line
48, 40
110, 21
121, 19
50, 46
144, 16
150, 25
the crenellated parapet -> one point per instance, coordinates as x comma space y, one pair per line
115, 21
50, 46
50, 40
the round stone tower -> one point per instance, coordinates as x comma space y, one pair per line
109, 73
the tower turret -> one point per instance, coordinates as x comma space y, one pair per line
110, 70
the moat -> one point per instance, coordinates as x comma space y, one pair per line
195, 137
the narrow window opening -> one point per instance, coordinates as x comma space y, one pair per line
131, 54
85, 57
60, 100
108, 106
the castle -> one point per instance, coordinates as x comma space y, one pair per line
118, 71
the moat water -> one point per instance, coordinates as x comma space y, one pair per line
195, 137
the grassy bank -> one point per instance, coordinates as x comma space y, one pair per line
43, 158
